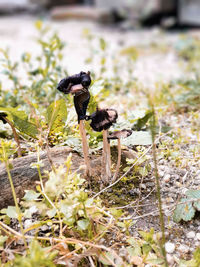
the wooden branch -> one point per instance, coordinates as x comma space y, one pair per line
24, 176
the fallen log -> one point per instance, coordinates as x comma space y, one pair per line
24, 176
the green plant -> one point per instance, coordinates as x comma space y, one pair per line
186, 208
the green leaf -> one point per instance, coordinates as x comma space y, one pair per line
156, 262
137, 138
146, 248
51, 213
2, 241
31, 195
97, 87
38, 25
141, 122
195, 194
184, 211
11, 212
56, 115
83, 224
20, 120
102, 44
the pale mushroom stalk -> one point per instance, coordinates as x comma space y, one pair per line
118, 135
102, 120
85, 148
106, 168
118, 159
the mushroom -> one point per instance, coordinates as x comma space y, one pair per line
4, 119
78, 85
102, 119
118, 135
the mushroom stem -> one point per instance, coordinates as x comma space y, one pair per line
106, 172
85, 148
118, 159
109, 154
16, 137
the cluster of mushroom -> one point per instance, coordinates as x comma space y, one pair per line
101, 120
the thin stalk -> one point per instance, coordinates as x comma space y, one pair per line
85, 148
19, 215
118, 159
45, 195
158, 194
106, 172
16, 137
109, 154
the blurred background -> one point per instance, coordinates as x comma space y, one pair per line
142, 25
151, 12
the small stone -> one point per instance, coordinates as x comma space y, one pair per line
27, 223
170, 247
143, 186
190, 234
166, 178
162, 167
44, 228
161, 173
197, 244
170, 259
33, 209
198, 236
183, 249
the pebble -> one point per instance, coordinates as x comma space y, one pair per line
161, 173
166, 178
27, 223
161, 167
190, 234
183, 249
143, 186
198, 236
33, 209
170, 259
169, 247
44, 228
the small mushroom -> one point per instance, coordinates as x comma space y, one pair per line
118, 135
102, 119
78, 85
4, 119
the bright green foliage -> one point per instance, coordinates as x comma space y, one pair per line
37, 256
141, 122
56, 116
20, 120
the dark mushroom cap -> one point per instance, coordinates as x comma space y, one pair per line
120, 134
66, 84
102, 119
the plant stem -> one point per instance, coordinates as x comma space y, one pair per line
118, 160
16, 137
85, 148
106, 172
158, 194
45, 195
19, 215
